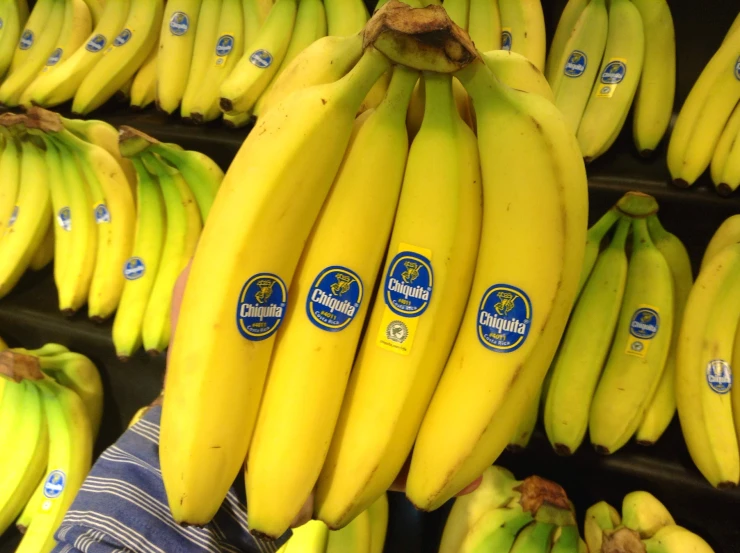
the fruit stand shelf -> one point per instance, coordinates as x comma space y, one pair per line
29, 317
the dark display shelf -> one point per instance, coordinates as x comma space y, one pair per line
29, 316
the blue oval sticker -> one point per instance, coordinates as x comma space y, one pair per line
261, 306
719, 376
409, 284
224, 45
261, 59
54, 484
576, 64
504, 318
96, 44
614, 72
645, 323
122, 38
64, 218
134, 268
334, 298
26, 40
102, 215
179, 23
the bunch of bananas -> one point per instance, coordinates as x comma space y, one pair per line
54, 170
481, 243
175, 190
601, 51
505, 515
646, 526
614, 372
112, 255
708, 349
365, 534
50, 408
708, 125
78, 50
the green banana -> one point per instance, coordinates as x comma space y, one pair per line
641, 343
585, 346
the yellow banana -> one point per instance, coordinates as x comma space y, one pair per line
40, 45
122, 58
345, 17
183, 226
662, 407
30, 219
654, 100
704, 114
617, 80
262, 59
13, 18
59, 85
567, 22
314, 352
579, 63
727, 234
484, 24
35, 23
640, 348
225, 54
140, 270
451, 451
518, 72
144, 85
176, 44
206, 36
236, 271
721, 155
704, 371
10, 167
523, 29
416, 315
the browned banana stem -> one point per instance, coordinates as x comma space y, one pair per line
546, 500
18, 366
132, 141
425, 39
622, 540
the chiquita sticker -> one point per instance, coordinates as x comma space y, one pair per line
575, 64
334, 298
613, 74
64, 218
506, 39
54, 484
261, 306
261, 59
408, 284
407, 291
504, 318
134, 268
179, 23
96, 44
644, 326
719, 376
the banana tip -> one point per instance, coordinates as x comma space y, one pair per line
681, 183
197, 118
646, 443
646, 153
601, 450
727, 485
69, 312
562, 450
724, 189
123, 358
154, 352
226, 105
516, 449
97, 319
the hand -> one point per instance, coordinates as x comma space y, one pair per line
399, 484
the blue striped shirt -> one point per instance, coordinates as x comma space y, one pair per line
122, 507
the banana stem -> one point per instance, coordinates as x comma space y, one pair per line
18, 367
